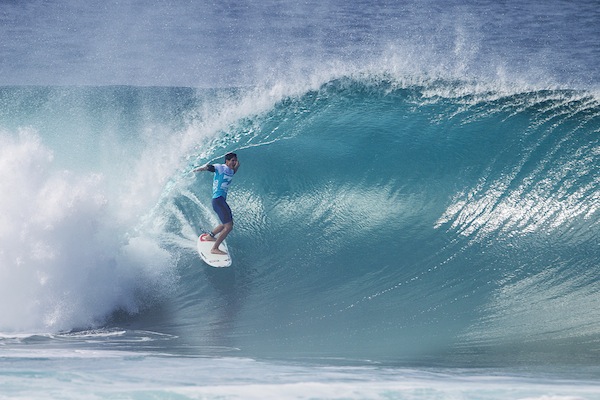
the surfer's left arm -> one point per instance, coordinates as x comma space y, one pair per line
207, 167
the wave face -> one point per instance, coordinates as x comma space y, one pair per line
374, 218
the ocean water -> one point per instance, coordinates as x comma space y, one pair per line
416, 211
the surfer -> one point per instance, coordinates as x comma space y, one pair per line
222, 179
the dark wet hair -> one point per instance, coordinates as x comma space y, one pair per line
229, 156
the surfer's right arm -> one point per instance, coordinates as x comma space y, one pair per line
207, 167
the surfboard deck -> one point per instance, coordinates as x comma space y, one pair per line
214, 260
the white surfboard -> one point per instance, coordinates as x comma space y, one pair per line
214, 260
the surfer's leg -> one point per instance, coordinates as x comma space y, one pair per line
224, 232
212, 235
224, 212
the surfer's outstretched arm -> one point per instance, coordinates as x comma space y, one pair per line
207, 167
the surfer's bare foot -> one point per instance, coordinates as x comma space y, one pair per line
218, 251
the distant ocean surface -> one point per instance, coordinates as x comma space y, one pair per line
417, 211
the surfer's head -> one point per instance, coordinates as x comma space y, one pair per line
231, 161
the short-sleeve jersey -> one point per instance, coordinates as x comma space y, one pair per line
222, 180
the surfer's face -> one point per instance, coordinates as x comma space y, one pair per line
231, 162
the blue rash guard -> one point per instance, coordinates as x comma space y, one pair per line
221, 182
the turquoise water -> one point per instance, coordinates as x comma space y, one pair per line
377, 224
404, 228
